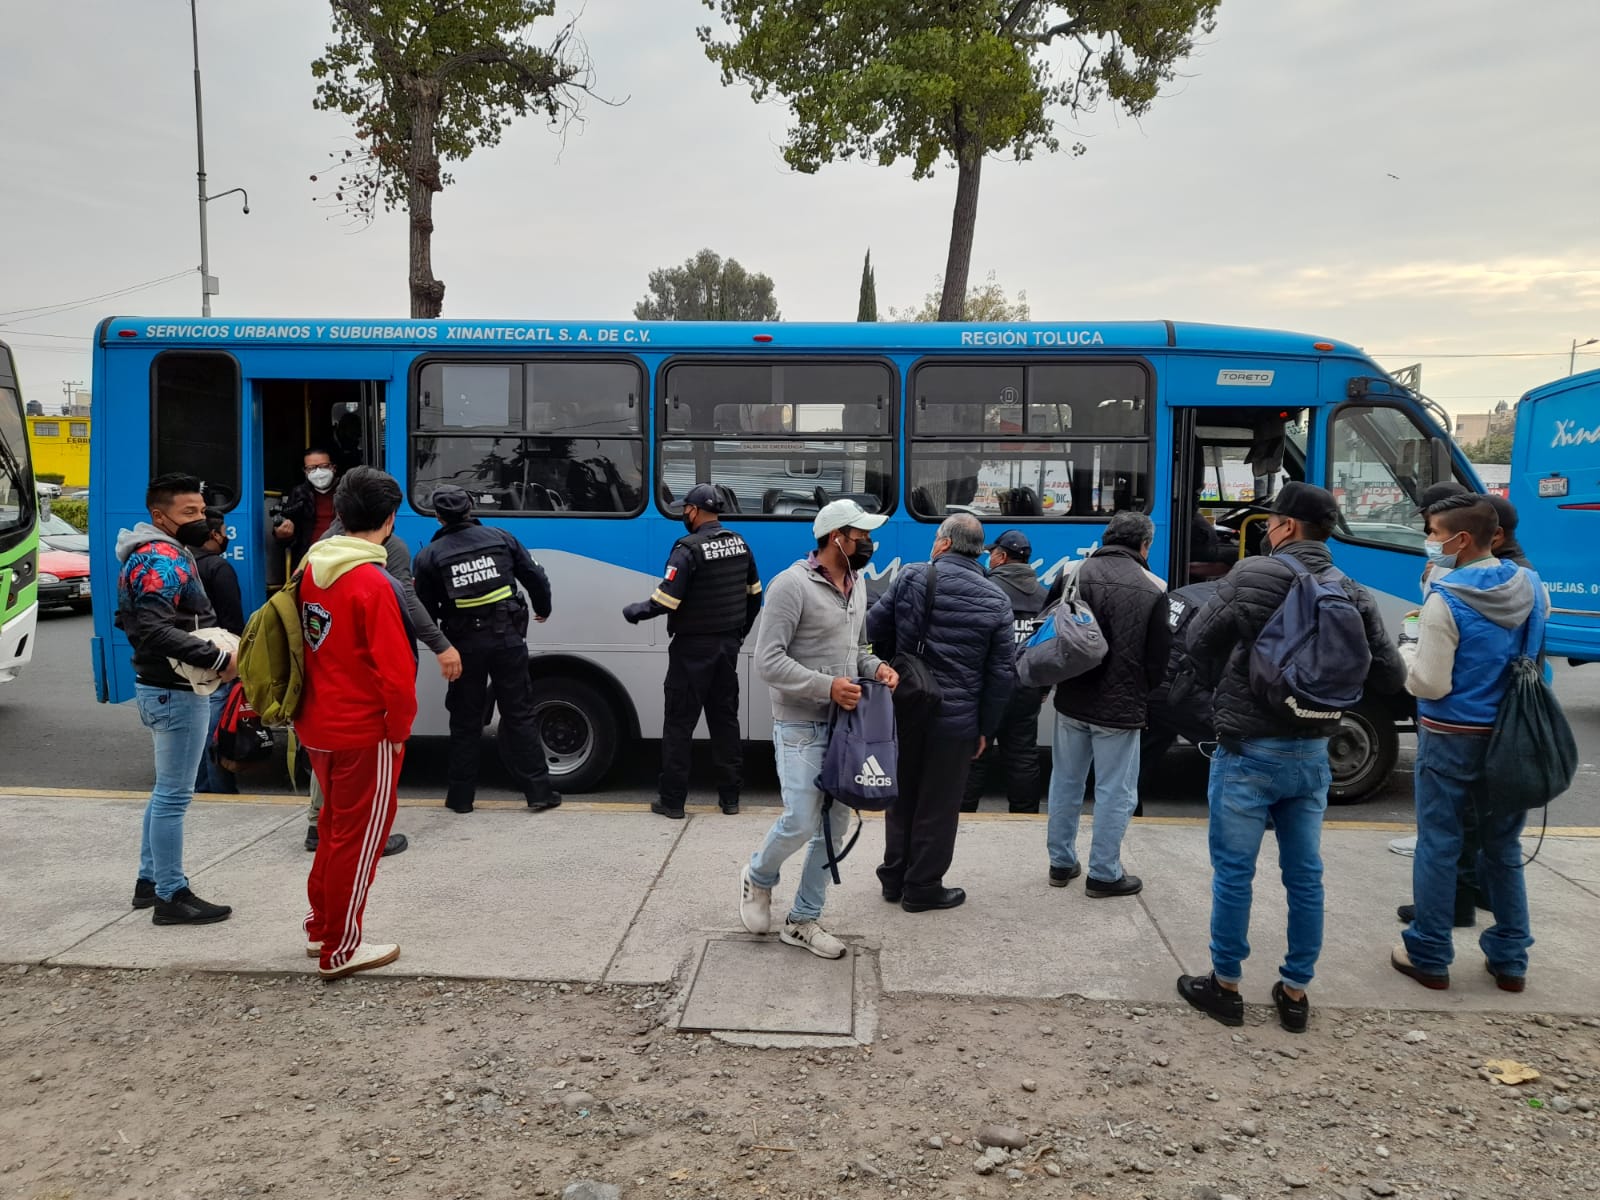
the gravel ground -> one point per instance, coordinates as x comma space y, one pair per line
127, 1084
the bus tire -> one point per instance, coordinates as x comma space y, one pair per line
1362, 753
579, 730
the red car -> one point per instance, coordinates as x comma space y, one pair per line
64, 579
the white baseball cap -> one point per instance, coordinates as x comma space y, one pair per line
844, 514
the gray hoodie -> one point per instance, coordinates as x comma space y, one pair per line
811, 635
1499, 593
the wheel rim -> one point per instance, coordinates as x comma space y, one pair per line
567, 735
1351, 750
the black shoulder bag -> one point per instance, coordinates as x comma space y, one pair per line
918, 695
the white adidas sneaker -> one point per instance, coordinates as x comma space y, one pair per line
367, 956
755, 904
813, 937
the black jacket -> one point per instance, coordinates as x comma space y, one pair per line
1221, 638
300, 506
1024, 592
222, 589
1131, 609
461, 545
970, 646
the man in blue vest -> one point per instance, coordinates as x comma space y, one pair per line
1475, 621
710, 593
467, 578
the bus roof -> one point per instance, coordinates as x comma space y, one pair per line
1046, 336
1585, 379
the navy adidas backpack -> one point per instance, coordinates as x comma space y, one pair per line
861, 766
1311, 658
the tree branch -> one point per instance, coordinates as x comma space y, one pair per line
1018, 11
383, 48
1070, 28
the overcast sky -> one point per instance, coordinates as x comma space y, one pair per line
1260, 191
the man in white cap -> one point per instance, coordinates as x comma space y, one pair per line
811, 649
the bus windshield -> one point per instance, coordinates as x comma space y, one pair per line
16, 496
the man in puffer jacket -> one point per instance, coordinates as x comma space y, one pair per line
970, 650
1100, 715
1269, 764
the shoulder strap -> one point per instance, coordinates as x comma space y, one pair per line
930, 589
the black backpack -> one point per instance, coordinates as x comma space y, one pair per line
241, 739
917, 696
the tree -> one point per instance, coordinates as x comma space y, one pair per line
882, 81
707, 288
984, 301
427, 82
867, 306
1495, 448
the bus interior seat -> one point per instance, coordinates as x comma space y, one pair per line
868, 501
793, 506
922, 502
1020, 502
729, 498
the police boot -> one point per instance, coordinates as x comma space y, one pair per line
729, 803
458, 800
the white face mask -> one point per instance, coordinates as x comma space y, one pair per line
321, 478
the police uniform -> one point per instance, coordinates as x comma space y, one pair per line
467, 577
710, 593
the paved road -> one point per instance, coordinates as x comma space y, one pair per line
53, 734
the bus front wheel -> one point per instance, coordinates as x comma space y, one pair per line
579, 730
1362, 753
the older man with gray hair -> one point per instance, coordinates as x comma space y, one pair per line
1099, 715
968, 645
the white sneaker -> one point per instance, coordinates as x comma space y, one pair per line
1406, 847
313, 949
813, 937
367, 956
755, 904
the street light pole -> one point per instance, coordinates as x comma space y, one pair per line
1572, 359
208, 282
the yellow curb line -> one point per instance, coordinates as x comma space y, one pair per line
629, 806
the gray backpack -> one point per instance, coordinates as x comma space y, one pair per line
1068, 643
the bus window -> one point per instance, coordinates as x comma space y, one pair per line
1380, 462
783, 438
1042, 440
531, 438
195, 421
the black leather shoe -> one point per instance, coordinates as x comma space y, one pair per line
1466, 912
923, 901
1211, 998
185, 908
892, 894
459, 808
729, 807
144, 893
1101, 889
311, 837
661, 810
396, 844
545, 803
1061, 876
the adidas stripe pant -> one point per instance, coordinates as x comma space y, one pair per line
358, 788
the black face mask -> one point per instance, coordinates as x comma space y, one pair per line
688, 523
193, 534
860, 555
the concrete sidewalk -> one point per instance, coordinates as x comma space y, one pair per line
601, 893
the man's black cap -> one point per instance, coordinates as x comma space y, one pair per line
451, 503
1506, 511
1306, 502
1014, 542
1436, 492
705, 497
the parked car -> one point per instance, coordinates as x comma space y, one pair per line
59, 534
64, 579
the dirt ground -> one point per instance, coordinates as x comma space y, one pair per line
131, 1084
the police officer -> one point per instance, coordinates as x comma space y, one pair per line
1016, 750
467, 577
711, 593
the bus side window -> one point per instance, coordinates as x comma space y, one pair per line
194, 425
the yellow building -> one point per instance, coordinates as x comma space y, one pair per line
60, 448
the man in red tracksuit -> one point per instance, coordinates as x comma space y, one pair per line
355, 714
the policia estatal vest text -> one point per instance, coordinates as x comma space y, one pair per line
711, 594
467, 577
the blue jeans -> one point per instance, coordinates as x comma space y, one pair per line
799, 746
212, 775
177, 724
1286, 780
1114, 754
1449, 782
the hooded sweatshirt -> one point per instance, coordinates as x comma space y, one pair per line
1474, 622
1020, 582
361, 665
160, 603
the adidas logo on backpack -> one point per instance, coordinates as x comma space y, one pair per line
872, 774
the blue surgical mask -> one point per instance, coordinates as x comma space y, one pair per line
1436, 555
983, 561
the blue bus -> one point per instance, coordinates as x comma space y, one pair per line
580, 438
1555, 485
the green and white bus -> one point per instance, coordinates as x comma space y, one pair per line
19, 529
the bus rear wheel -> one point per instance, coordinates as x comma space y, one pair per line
579, 730
1362, 753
